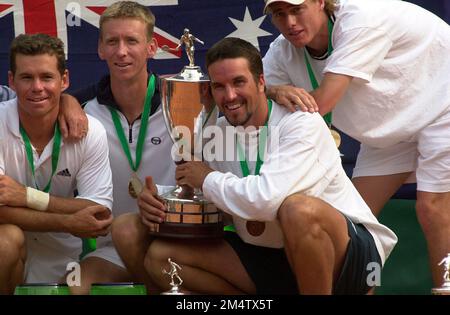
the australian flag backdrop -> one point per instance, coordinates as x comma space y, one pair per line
76, 23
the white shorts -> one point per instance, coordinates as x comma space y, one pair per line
48, 258
107, 251
428, 158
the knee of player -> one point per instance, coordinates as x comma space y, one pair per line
158, 254
431, 213
299, 211
160, 250
125, 227
155, 257
12, 241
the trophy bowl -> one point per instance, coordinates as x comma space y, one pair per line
186, 101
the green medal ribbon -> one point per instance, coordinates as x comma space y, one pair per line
142, 130
55, 155
88, 246
327, 117
261, 144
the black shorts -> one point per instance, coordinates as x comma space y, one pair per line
271, 273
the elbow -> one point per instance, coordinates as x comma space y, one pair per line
274, 205
264, 210
265, 204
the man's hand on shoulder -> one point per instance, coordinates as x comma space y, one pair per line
73, 121
292, 98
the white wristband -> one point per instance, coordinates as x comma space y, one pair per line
37, 199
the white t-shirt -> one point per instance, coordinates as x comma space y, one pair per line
82, 166
301, 157
397, 54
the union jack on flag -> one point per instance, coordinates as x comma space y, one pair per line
76, 24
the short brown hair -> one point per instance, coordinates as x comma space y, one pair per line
129, 9
37, 44
231, 48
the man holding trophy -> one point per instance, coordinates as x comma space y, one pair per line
295, 211
129, 99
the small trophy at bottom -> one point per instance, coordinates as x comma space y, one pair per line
175, 280
445, 288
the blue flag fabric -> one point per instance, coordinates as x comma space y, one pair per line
76, 23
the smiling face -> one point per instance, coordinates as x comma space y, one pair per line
38, 84
239, 96
299, 24
125, 47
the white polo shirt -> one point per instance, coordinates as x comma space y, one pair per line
82, 166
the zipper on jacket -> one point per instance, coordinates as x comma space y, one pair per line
130, 133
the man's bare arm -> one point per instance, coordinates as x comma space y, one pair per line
73, 121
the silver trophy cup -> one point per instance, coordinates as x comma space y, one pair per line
186, 102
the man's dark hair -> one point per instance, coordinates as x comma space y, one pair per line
37, 44
231, 48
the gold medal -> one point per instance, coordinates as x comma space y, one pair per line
336, 137
255, 228
135, 186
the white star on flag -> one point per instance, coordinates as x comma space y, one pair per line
249, 29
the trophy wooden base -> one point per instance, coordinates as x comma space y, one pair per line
194, 231
189, 217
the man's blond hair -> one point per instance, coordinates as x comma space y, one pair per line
132, 10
